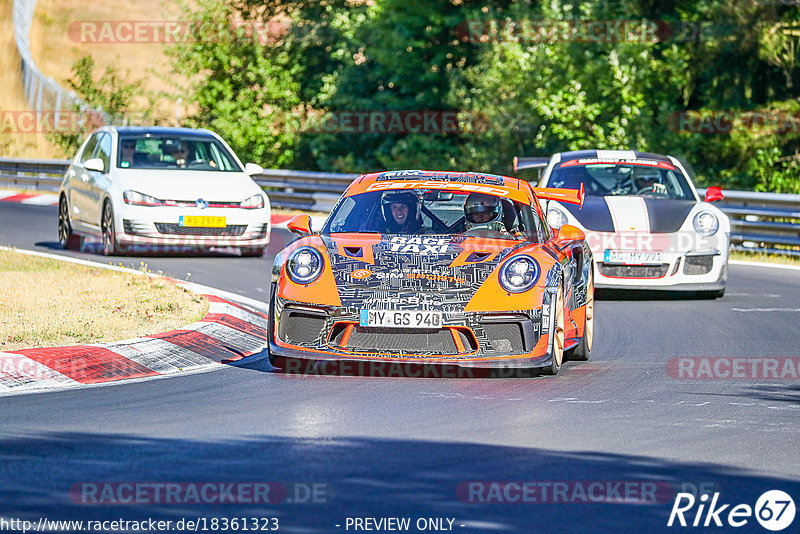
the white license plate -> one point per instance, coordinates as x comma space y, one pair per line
401, 319
633, 257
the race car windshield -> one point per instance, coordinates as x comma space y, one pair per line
439, 212
656, 179
174, 153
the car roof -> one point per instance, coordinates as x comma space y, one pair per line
493, 184
163, 130
448, 176
608, 154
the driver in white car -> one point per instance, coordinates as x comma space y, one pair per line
181, 154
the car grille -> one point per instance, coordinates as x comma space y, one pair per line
173, 229
633, 271
698, 264
401, 340
262, 231
300, 326
505, 337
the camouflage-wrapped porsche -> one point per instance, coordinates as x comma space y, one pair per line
436, 268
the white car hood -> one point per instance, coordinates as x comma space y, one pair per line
212, 186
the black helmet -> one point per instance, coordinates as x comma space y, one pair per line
481, 203
405, 197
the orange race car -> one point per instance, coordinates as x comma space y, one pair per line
435, 268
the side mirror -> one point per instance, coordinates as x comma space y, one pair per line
252, 169
568, 234
300, 224
713, 194
94, 164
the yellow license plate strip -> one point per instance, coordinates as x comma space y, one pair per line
202, 221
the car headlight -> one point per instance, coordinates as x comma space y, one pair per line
252, 203
519, 274
305, 265
706, 223
556, 218
140, 199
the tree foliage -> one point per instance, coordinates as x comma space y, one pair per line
516, 93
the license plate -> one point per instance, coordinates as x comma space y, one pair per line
633, 257
401, 319
201, 221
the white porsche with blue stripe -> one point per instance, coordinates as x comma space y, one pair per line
643, 219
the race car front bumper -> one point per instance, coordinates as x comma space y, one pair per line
514, 339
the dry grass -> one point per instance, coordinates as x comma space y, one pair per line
55, 50
18, 145
765, 258
46, 303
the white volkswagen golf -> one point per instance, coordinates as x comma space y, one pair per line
171, 189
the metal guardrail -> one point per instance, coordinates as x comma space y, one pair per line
759, 221
42, 92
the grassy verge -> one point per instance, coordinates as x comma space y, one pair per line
765, 258
46, 303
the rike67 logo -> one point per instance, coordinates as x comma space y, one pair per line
774, 510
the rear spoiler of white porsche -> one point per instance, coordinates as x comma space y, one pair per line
530, 163
570, 196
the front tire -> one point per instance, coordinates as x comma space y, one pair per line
66, 239
557, 347
581, 352
110, 247
251, 252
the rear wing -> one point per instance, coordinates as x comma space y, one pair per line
530, 163
570, 196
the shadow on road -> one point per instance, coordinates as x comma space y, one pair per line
361, 477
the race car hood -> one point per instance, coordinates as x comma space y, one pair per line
391, 263
631, 214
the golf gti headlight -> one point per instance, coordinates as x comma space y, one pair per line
556, 218
706, 223
252, 203
519, 274
140, 199
304, 265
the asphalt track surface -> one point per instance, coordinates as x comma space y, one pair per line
401, 447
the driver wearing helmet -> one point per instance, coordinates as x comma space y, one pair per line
484, 212
648, 183
401, 213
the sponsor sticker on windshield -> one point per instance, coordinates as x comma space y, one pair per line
618, 161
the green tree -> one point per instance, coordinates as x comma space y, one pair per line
106, 99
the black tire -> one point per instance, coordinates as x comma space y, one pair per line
273, 359
110, 247
557, 346
584, 348
66, 239
714, 294
251, 252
